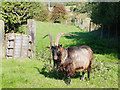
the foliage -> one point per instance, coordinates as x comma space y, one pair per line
58, 13
15, 14
103, 13
108, 15
73, 20
71, 9
40, 12
0, 10
22, 29
70, 3
83, 7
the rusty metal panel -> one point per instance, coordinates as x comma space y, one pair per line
18, 45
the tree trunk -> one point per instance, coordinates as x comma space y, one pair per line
101, 36
116, 33
109, 32
90, 27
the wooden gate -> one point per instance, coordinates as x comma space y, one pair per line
18, 45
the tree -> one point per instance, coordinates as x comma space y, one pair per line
83, 7
107, 15
15, 14
58, 13
40, 11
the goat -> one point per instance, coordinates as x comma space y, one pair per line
54, 47
75, 59
71, 59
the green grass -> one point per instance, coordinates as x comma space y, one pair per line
37, 73
54, 29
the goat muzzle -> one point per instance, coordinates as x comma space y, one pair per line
55, 57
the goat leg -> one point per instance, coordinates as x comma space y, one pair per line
55, 65
88, 71
64, 76
50, 56
69, 79
83, 75
88, 75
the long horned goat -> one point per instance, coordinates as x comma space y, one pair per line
54, 47
71, 59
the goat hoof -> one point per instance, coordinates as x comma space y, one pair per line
81, 79
88, 79
68, 83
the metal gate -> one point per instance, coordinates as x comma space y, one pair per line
18, 45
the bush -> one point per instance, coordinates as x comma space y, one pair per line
71, 8
22, 29
73, 20
41, 12
58, 13
15, 14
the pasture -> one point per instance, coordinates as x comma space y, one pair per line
38, 73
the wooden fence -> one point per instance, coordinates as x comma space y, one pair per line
85, 24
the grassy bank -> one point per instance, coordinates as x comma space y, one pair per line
25, 73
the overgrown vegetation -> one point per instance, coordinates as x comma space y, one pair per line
58, 13
15, 14
107, 14
83, 7
104, 14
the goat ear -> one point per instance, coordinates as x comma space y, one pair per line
48, 47
59, 45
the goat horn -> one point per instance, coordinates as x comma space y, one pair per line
51, 40
59, 35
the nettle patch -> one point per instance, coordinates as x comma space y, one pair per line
100, 67
104, 71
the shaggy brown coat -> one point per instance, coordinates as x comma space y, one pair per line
75, 59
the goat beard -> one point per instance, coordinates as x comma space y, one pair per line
67, 68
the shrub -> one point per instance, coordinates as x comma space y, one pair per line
40, 12
71, 8
58, 13
73, 20
15, 14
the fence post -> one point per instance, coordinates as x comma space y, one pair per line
31, 30
101, 36
90, 26
2, 53
75, 22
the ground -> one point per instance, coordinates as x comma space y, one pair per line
38, 73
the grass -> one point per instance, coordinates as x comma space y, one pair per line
37, 73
